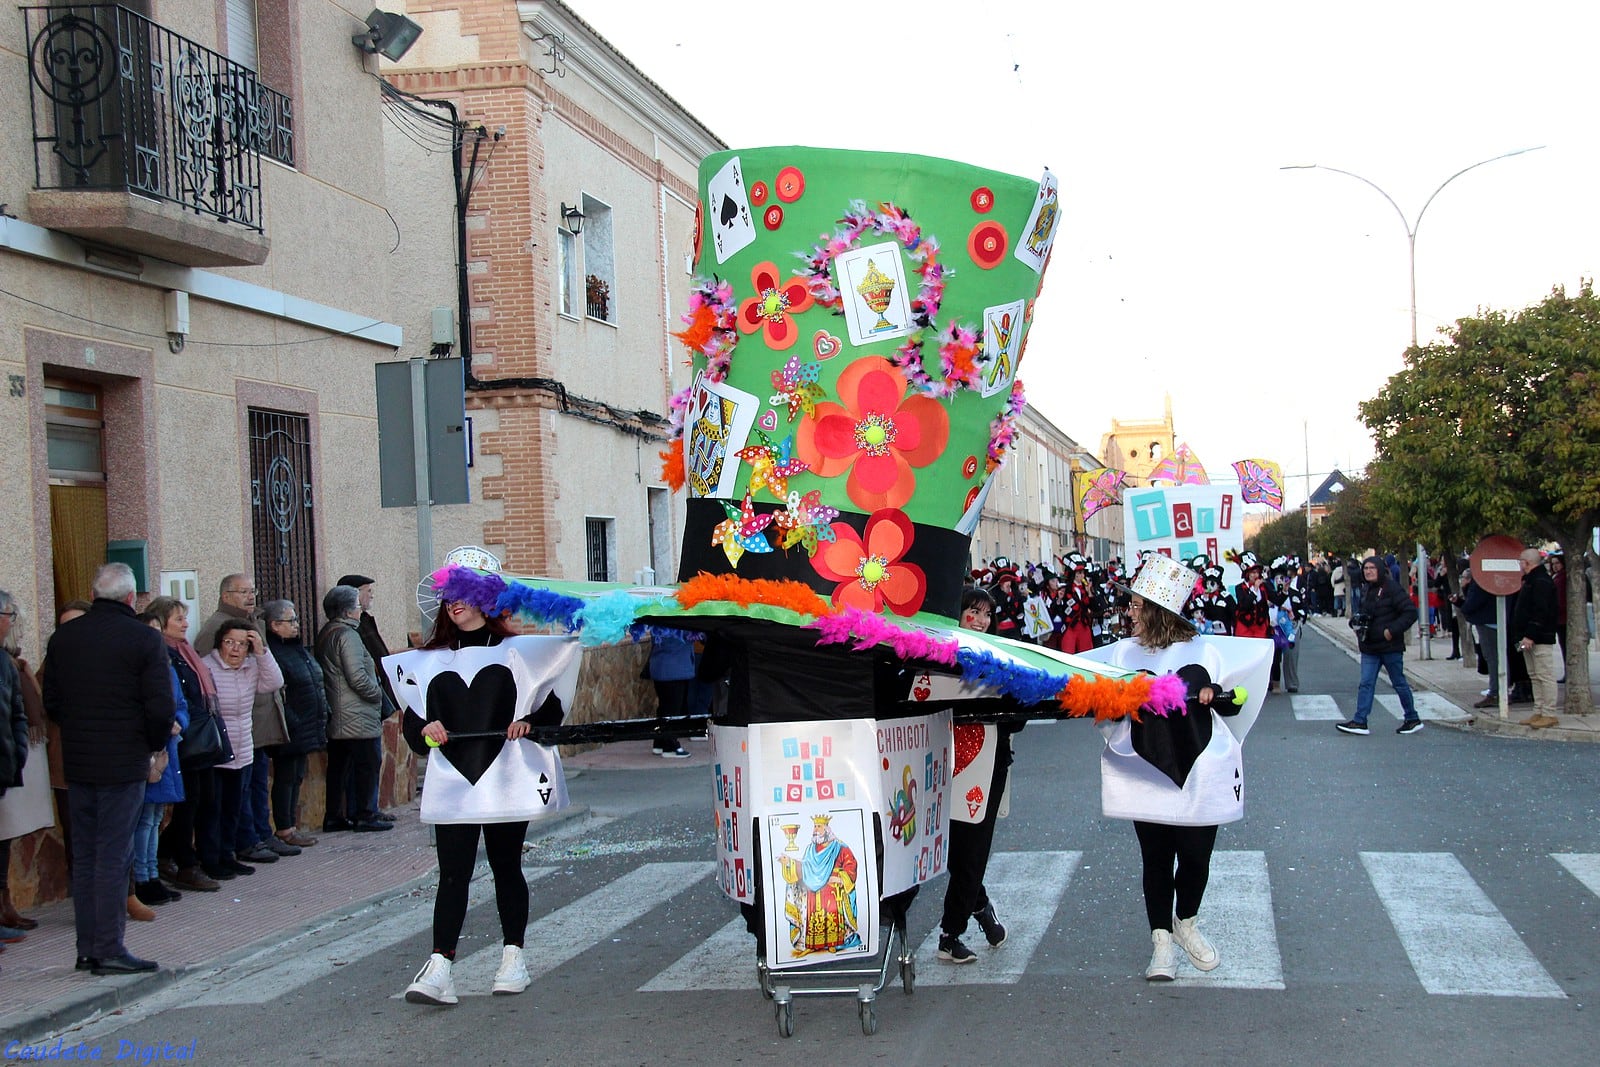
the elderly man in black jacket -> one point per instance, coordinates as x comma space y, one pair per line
108, 686
1385, 616
1533, 628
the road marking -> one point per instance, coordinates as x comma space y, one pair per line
1315, 706
1236, 917
1584, 866
725, 960
554, 939
1430, 706
1026, 888
1458, 942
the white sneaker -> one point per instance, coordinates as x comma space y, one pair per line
1163, 961
1201, 952
432, 984
512, 977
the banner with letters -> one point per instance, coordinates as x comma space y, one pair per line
1184, 521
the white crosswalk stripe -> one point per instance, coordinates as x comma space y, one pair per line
556, 938
725, 960
1026, 888
1236, 916
1430, 706
1458, 942
1584, 866
1314, 707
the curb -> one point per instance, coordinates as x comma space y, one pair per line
75, 1009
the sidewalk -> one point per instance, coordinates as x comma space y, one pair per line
1459, 682
343, 874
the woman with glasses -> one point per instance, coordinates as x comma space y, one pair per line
240, 668
305, 713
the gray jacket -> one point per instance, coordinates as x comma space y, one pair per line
355, 700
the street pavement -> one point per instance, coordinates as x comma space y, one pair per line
1434, 897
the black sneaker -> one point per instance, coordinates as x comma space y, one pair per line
951, 950
1352, 727
994, 931
1410, 726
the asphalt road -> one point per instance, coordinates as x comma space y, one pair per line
1433, 898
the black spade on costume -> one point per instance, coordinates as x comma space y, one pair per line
1172, 744
545, 789
729, 210
486, 705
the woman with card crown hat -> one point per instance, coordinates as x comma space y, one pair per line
1175, 777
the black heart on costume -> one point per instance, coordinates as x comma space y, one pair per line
488, 704
1172, 744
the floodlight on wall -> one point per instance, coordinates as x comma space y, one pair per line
388, 35
573, 216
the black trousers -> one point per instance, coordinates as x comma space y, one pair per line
1166, 893
194, 834
352, 779
457, 846
968, 856
287, 774
103, 817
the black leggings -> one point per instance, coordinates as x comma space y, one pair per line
457, 846
1159, 846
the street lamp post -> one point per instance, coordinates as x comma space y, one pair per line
1411, 251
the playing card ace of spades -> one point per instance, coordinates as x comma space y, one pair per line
728, 211
483, 690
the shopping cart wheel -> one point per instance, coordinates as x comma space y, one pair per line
908, 974
869, 1019
785, 1012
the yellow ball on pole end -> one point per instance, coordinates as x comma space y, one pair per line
430, 742
1240, 694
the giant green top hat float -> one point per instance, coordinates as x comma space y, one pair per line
856, 327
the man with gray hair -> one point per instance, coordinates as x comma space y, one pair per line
108, 686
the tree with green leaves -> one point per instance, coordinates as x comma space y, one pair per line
1283, 536
1496, 429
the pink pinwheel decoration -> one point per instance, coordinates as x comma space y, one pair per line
741, 531
772, 465
796, 385
1260, 482
806, 521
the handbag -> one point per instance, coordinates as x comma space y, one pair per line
204, 743
158, 766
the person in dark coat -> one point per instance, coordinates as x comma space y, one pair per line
377, 647
107, 684
1387, 613
305, 712
1533, 628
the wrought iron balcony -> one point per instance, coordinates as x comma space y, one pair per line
122, 104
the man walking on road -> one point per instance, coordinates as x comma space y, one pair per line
1533, 628
1385, 616
108, 686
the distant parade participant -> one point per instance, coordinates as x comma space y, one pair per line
1215, 605
1008, 600
1079, 634
1253, 599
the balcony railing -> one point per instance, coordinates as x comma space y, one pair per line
120, 103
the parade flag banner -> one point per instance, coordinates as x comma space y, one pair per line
1183, 467
730, 810
1099, 489
482, 690
1183, 521
914, 764
814, 786
1260, 482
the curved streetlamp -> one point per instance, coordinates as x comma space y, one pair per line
1411, 245
1411, 226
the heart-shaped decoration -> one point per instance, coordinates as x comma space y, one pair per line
486, 705
969, 742
921, 692
974, 801
825, 345
1171, 744
769, 421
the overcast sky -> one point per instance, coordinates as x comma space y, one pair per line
1268, 302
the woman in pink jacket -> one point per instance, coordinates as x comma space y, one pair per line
240, 667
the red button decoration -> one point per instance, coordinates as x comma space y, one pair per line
982, 199
970, 467
790, 184
758, 193
772, 218
987, 244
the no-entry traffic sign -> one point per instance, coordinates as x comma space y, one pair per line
1495, 565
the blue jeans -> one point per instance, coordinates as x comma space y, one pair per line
144, 842
255, 804
1395, 664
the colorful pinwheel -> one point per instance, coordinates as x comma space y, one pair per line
806, 521
1099, 488
772, 465
1260, 482
1181, 468
796, 386
741, 531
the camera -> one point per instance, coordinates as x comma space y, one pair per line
1359, 623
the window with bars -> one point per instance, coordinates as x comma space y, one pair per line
600, 542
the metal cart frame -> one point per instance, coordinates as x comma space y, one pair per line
852, 979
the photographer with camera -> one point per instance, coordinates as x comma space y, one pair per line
1386, 613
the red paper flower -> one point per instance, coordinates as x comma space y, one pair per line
790, 184
758, 193
774, 306
699, 228
875, 432
987, 244
870, 567
982, 199
772, 218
